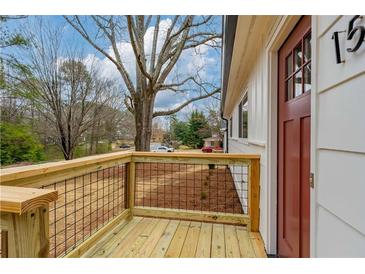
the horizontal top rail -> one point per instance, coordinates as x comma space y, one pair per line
17, 173
38, 175
21, 199
196, 155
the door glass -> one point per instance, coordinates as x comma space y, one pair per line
298, 54
289, 65
307, 48
298, 83
289, 89
307, 78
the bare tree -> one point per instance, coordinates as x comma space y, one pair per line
68, 95
153, 65
12, 108
110, 120
214, 118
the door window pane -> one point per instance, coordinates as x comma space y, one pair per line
307, 78
289, 65
289, 89
298, 54
298, 83
307, 48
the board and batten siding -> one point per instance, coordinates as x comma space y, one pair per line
256, 90
338, 143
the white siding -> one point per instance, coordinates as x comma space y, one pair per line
341, 240
337, 141
257, 129
339, 145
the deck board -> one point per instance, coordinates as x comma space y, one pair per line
178, 240
218, 245
149, 245
113, 240
205, 241
144, 237
132, 250
231, 242
131, 238
163, 243
191, 241
244, 243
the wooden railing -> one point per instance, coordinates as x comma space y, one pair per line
98, 192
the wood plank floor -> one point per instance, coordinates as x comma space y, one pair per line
151, 237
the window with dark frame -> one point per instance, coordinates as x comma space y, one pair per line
298, 69
230, 127
243, 118
240, 125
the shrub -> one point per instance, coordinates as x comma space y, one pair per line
18, 144
183, 147
203, 195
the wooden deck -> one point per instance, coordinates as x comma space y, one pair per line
157, 238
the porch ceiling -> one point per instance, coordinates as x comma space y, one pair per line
250, 32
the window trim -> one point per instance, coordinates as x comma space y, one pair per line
241, 127
240, 122
230, 127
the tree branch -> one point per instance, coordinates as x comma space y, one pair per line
175, 85
154, 44
118, 63
172, 111
136, 48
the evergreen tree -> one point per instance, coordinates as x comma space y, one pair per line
198, 129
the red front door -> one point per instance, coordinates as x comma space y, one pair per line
294, 142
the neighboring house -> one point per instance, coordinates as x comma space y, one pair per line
214, 141
293, 91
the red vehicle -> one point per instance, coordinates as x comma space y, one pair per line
218, 149
207, 149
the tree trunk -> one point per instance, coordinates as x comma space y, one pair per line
143, 111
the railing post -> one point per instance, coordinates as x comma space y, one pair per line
4, 244
131, 177
25, 214
254, 194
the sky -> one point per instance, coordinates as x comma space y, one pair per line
205, 60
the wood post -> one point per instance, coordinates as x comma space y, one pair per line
4, 244
131, 182
254, 194
25, 217
28, 234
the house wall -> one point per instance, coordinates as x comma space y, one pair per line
257, 131
338, 143
337, 137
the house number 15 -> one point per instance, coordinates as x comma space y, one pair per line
351, 31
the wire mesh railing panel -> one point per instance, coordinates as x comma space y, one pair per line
85, 204
200, 187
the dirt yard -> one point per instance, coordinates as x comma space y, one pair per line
191, 187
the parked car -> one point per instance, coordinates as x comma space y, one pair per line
124, 146
218, 149
207, 149
163, 149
